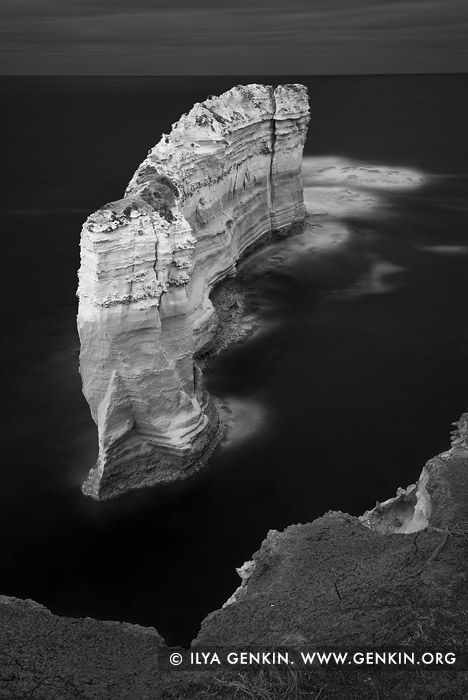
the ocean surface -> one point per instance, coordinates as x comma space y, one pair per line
351, 386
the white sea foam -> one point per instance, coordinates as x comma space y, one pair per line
445, 249
334, 188
316, 237
378, 280
246, 418
338, 187
331, 200
336, 170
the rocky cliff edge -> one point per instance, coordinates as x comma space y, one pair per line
375, 582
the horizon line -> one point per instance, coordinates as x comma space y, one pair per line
222, 75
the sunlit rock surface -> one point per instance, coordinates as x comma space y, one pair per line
227, 175
438, 499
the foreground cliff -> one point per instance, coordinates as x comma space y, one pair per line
227, 175
392, 576
343, 582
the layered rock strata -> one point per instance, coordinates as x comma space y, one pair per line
227, 175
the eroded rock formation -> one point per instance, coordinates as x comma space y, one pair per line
228, 174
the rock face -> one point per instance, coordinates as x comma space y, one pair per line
361, 581
227, 175
339, 581
46, 657
439, 498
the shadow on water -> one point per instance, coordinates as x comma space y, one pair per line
348, 388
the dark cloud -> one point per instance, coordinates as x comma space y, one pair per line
250, 36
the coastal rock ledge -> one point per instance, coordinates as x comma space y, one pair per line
227, 175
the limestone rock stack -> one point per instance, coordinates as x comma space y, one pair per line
228, 174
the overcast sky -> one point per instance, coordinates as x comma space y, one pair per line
211, 37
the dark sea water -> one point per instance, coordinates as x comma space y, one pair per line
349, 393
